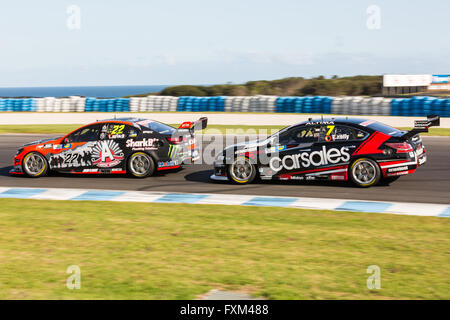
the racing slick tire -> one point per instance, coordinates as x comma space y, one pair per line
365, 172
34, 165
242, 171
140, 165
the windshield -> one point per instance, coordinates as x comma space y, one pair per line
157, 126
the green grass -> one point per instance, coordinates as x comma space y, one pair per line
211, 129
179, 251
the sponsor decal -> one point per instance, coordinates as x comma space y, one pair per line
167, 164
116, 136
173, 150
144, 144
318, 123
403, 168
186, 125
422, 160
337, 177
421, 124
78, 157
133, 134
306, 159
48, 146
62, 146
107, 154
276, 149
360, 134
397, 173
341, 136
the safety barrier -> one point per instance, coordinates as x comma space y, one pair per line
195, 104
107, 105
316, 104
153, 103
51, 104
420, 106
360, 105
17, 105
250, 104
415, 106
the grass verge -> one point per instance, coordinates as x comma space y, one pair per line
211, 129
178, 251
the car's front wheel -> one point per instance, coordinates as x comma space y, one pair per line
35, 165
141, 165
365, 172
242, 171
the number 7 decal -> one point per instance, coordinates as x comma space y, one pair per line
330, 130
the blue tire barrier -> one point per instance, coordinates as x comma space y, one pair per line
412, 107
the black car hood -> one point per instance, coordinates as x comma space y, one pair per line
248, 145
39, 141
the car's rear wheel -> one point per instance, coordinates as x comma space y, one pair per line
365, 172
35, 165
141, 165
242, 171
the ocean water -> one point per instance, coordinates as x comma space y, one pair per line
91, 91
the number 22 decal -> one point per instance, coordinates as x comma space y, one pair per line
118, 129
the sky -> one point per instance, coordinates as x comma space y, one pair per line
147, 42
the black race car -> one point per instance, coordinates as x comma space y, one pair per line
364, 151
114, 146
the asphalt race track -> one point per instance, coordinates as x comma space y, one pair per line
430, 183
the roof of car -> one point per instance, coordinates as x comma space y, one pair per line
125, 119
336, 120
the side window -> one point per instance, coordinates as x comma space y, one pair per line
298, 135
84, 135
117, 131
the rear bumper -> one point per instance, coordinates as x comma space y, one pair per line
392, 168
421, 156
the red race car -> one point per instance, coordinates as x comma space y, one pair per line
115, 146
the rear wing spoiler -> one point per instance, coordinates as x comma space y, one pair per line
423, 125
200, 124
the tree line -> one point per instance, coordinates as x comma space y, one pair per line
295, 86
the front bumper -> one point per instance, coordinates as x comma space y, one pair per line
16, 170
220, 172
219, 178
